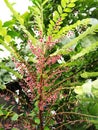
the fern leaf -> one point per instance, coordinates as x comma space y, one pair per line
36, 11
59, 15
66, 29
85, 51
90, 30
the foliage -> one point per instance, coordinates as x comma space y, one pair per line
51, 63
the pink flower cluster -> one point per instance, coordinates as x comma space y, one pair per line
40, 63
47, 101
52, 98
27, 90
28, 77
50, 43
41, 105
53, 59
31, 81
38, 52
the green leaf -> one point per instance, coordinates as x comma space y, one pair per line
37, 120
95, 84
0, 23
8, 23
1, 113
87, 87
55, 16
7, 38
84, 75
3, 31
63, 3
2, 87
71, 5
5, 112
67, 10
1, 49
46, 128
52, 23
15, 117
7, 115
94, 109
60, 9
1, 128
96, 126
46, 88
78, 90
36, 10
36, 104
89, 74
64, 15
32, 114
25, 15
13, 34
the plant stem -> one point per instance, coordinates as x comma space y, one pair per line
40, 100
76, 121
41, 120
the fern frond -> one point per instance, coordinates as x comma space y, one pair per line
3, 66
65, 29
37, 12
21, 21
90, 30
59, 15
85, 51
